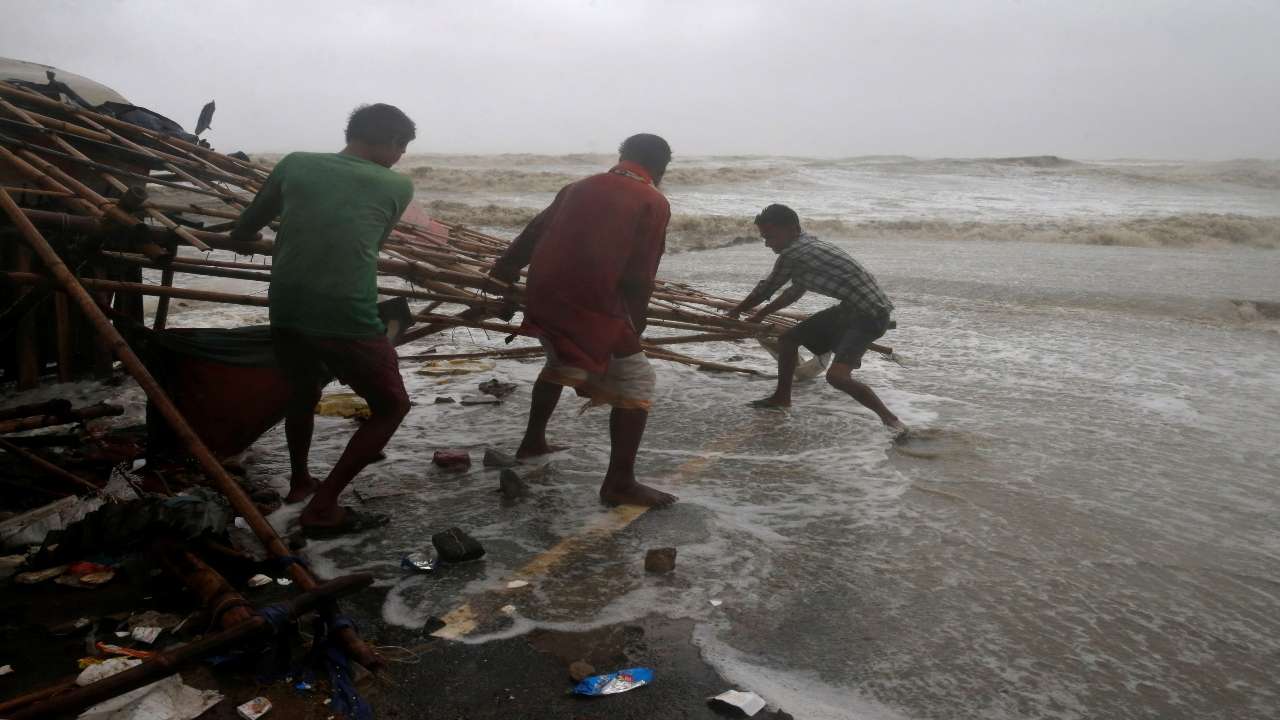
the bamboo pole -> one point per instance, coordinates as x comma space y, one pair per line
62, 330
36, 422
48, 468
162, 305
26, 341
161, 402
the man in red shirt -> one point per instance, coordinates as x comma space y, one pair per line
592, 257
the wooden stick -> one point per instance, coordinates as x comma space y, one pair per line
35, 422
213, 469
162, 305
48, 467
62, 329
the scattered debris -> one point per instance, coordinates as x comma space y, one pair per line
508, 609
444, 400
146, 634
455, 546
452, 459
497, 388
254, 709
460, 366
614, 682
418, 562
259, 580
9, 564
39, 576
660, 560
30, 528
514, 584
511, 485
499, 459
480, 400
740, 704
580, 670
5, 669
716, 602
344, 405
128, 652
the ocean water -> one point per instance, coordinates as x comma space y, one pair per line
1084, 525
1045, 198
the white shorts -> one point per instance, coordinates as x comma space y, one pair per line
627, 383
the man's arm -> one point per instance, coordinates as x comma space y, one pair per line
266, 206
765, 288
787, 297
520, 253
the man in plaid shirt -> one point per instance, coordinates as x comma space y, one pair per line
848, 329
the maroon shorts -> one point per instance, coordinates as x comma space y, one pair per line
369, 366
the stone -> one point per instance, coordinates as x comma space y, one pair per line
579, 671
444, 400
511, 485
499, 459
455, 546
660, 560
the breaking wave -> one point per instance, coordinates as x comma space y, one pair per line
707, 232
448, 178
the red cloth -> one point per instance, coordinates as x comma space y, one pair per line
592, 256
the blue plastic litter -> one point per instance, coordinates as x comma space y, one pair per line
614, 682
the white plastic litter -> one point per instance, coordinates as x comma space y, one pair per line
746, 703
146, 635
167, 699
517, 584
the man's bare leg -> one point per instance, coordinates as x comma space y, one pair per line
788, 356
546, 395
299, 424
840, 375
362, 449
626, 428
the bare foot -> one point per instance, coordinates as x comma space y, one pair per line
897, 428
300, 489
635, 494
531, 451
772, 401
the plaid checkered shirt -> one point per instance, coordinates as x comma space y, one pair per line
811, 264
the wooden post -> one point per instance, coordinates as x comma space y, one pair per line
62, 329
162, 305
26, 342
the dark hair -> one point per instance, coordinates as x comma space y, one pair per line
648, 150
780, 215
380, 124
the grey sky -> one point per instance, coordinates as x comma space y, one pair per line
1077, 78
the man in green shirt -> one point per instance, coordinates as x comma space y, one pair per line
335, 210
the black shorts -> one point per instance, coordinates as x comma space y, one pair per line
845, 332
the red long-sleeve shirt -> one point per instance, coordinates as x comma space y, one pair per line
592, 257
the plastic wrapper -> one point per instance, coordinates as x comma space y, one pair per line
614, 682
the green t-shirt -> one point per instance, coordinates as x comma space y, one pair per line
335, 212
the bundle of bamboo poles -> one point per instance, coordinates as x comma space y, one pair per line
52, 147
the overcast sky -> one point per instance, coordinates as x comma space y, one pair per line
1082, 79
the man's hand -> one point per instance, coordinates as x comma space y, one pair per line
759, 317
735, 313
